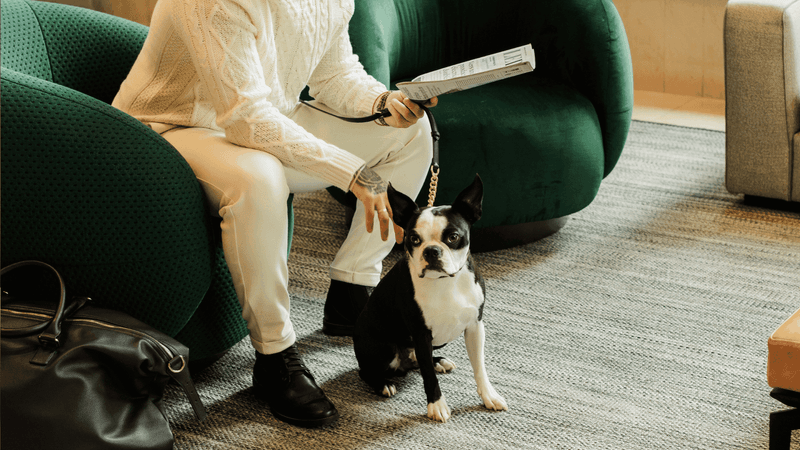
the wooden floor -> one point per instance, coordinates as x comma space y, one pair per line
696, 112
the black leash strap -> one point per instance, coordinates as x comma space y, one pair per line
385, 113
434, 184
376, 116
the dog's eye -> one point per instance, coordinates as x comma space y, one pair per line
415, 240
453, 238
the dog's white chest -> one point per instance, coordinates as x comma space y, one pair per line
448, 304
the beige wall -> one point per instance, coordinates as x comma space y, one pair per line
135, 10
676, 45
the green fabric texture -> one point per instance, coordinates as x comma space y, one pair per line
216, 304
542, 142
23, 44
113, 210
93, 57
91, 190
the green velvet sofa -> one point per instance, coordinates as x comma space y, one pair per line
542, 142
92, 191
117, 210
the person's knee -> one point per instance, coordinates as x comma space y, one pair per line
261, 179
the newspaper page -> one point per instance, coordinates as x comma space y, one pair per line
470, 74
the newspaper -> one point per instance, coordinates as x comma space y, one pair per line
470, 74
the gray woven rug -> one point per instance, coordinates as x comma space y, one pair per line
642, 324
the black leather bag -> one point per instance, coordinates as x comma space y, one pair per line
82, 377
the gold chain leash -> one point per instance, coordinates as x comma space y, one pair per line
434, 184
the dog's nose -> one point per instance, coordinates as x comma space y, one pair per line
432, 253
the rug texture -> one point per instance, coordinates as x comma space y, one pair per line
642, 324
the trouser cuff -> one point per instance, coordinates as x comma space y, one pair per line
361, 279
270, 348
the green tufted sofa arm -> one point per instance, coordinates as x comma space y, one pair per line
104, 199
83, 50
94, 192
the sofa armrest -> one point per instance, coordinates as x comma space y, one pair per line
762, 88
584, 44
104, 199
89, 51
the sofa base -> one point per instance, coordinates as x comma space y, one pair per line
507, 236
771, 203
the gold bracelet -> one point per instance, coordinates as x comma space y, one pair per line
380, 107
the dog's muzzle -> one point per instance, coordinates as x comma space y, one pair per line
432, 255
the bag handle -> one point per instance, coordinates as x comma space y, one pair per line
52, 328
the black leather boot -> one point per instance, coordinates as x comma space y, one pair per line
342, 307
284, 382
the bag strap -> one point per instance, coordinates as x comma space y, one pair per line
74, 305
179, 371
51, 329
48, 339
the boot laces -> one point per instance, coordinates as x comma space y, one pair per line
293, 361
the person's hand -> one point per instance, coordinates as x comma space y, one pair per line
370, 189
404, 111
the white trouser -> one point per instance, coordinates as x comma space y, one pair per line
249, 188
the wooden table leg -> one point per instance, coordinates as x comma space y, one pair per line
781, 424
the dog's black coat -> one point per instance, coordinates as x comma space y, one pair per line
393, 324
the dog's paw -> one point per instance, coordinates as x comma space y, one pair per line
444, 365
493, 400
389, 390
439, 410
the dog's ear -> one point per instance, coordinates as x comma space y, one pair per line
403, 207
469, 202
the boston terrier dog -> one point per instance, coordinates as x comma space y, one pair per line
428, 299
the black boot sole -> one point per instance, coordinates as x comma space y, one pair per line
261, 394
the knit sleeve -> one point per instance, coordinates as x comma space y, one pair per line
221, 38
341, 82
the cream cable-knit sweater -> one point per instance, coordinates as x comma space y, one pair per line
240, 66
